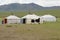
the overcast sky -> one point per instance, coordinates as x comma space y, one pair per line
45, 3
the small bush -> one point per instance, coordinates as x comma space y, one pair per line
9, 26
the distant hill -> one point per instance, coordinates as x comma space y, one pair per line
25, 7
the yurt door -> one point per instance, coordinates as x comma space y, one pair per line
5, 21
24, 21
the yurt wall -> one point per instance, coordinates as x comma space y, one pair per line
49, 18
12, 19
31, 19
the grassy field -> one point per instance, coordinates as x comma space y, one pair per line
20, 14
45, 31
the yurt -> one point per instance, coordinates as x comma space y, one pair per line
30, 18
48, 18
12, 19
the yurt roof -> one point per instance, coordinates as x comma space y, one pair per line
47, 16
31, 16
12, 17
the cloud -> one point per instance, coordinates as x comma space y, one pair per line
8, 1
39, 2
48, 2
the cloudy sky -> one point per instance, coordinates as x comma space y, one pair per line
45, 3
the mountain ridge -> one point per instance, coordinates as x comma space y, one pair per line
25, 7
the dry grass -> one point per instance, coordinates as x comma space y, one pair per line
48, 31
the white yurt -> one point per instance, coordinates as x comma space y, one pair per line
12, 19
48, 18
30, 18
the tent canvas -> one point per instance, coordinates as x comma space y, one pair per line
49, 18
30, 17
13, 19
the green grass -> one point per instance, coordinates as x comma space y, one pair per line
20, 14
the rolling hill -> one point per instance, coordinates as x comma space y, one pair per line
25, 7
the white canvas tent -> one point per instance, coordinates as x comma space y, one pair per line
30, 17
12, 19
48, 18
